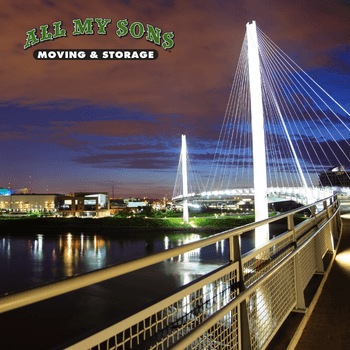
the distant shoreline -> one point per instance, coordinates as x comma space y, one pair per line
59, 226
132, 227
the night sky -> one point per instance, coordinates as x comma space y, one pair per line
87, 125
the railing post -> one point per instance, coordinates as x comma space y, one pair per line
299, 292
337, 223
329, 229
313, 213
334, 222
232, 249
331, 236
319, 261
235, 256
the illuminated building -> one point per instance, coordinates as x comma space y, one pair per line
84, 204
28, 202
5, 192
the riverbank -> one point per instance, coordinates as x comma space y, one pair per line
117, 226
123, 226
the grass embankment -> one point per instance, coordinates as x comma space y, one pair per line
114, 225
121, 225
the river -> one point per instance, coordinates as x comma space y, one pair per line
27, 262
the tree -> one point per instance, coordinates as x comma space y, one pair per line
147, 210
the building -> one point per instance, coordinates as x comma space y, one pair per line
5, 192
335, 177
84, 204
117, 205
135, 204
24, 203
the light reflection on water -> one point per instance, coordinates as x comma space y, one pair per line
193, 264
28, 262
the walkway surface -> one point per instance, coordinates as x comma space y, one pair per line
329, 324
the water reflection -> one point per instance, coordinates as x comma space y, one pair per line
73, 250
191, 265
37, 249
5, 247
220, 246
37, 260
262, 318
192, 255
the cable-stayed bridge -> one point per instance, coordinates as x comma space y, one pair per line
281, 130
275, 194
273, 141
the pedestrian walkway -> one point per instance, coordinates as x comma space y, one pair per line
329, 324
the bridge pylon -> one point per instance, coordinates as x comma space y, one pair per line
258, 136
184, 178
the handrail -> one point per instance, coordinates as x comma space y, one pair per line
40, 293
198, 331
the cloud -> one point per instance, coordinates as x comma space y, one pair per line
139, 160
100, 110
327, 153
188, 79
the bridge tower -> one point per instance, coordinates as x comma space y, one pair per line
259, 155
184, 178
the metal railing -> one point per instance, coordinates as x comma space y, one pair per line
239, 306
301, 195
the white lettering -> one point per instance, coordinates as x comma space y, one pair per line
81, 54
42, 54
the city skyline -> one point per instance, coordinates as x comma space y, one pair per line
69, 126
